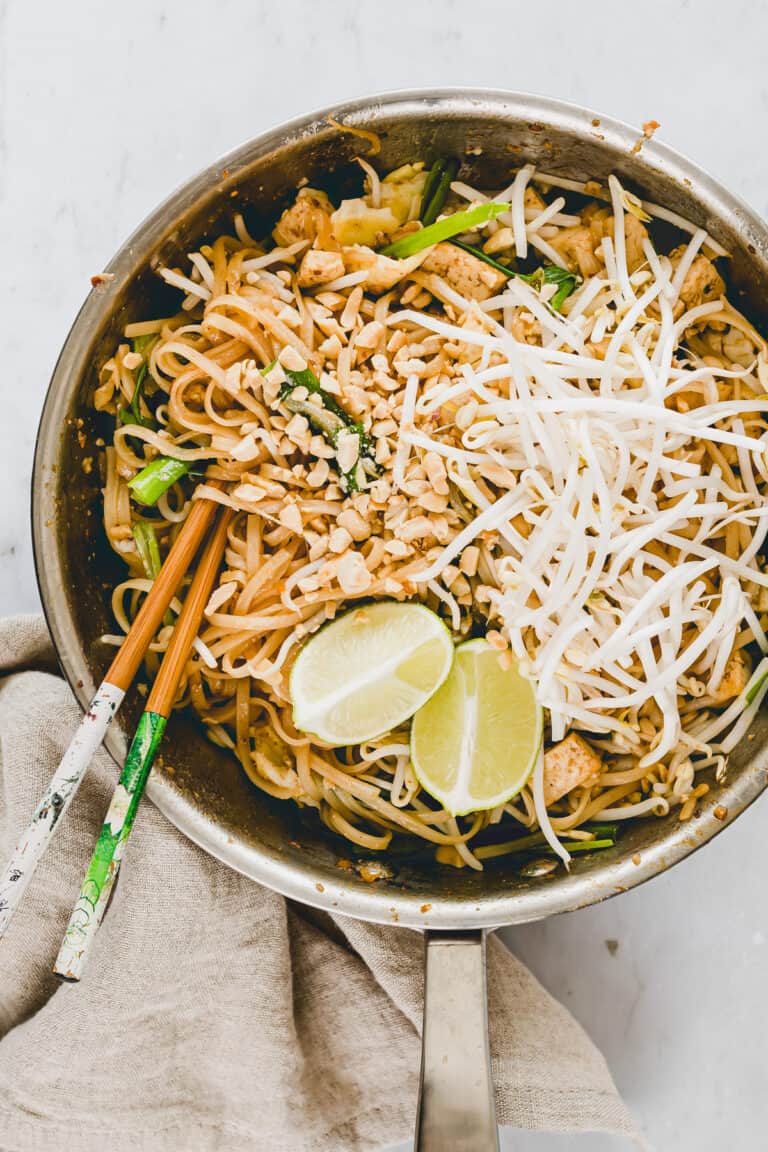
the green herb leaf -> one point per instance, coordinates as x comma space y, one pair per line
453, 225
329, 418
320, 418
566, 282
307, 379
158, 476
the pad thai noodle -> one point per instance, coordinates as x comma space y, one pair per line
519, 407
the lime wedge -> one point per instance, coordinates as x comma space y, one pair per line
474, 743
368, 671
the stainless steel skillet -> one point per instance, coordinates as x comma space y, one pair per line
207, 796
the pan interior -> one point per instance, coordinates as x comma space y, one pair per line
200, 787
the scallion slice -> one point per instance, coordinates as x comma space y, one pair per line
158, 476
453, 225
584, 845
147, 547
436, 189
149, 552
133, 414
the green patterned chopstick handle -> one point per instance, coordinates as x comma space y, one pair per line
105, 862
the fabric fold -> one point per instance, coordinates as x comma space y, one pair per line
213, 1014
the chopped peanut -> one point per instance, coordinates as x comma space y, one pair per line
469, 560
318, 475
291, 359
339, 540
347, 450
249, 493
433, 502
436, 474
358, 528
417, 528
233, 379
369, 336
396, 548
352, 574
502, 238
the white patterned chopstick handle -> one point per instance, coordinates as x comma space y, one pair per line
64, 783
84, 923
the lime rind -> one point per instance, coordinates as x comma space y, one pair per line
368, 671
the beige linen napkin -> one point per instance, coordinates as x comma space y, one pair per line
213, 1014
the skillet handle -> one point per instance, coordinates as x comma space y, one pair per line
456, 1111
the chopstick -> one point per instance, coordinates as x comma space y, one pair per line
108, 853
109, 696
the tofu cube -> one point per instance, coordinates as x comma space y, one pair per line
735, 677
567, 765
472, 277
318, 267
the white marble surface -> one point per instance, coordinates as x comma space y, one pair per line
105, 108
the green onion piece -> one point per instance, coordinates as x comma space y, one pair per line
535, 845
525, 848
149, 552
436, 190
132, 415
143, 344
757, 683
430, 186
560, 298
435, 206
585, 845
510, 847
603, 831
147, 546
149, 484
443, 230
